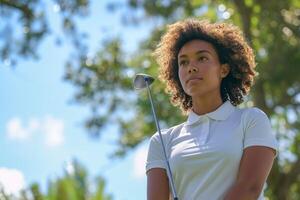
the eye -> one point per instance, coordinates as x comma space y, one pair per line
183, 63
202, 58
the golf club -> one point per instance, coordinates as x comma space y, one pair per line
142, 81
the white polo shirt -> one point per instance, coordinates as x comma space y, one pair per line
205, 151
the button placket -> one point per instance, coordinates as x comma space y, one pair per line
206, 129
203, 137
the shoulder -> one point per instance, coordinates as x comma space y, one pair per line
255, 117
253, 113
168, 133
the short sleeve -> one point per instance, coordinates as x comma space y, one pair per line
257, 130
155, 157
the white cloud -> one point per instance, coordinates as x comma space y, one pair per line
12, 180
139, 162
15, 130
33, 125
52, 128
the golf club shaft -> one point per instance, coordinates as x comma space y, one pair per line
162, 142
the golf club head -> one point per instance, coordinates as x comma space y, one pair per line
140, 81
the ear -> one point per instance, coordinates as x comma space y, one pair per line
225, 69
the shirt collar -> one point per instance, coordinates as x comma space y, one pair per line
221, 113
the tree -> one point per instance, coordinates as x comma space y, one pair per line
74, 185
24, 25
272, 29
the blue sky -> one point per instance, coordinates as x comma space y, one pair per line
41, 131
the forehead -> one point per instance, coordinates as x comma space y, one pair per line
194, 46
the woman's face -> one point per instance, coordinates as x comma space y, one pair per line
200, 71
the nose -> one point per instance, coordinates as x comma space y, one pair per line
193, 69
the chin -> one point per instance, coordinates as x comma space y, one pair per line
196, 94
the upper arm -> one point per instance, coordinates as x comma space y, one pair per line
255, 166
157, 184
260, 149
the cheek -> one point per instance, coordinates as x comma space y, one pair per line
216, 79
214, 73
181, 76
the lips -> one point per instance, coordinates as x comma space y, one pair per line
193, 78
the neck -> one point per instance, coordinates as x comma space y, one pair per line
203, 105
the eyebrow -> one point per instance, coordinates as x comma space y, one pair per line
198, 52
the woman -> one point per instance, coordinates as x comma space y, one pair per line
221, 152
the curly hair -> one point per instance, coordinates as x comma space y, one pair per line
231, 47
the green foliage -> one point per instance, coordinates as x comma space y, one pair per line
24, 25
99, 194
35, 191
74, 185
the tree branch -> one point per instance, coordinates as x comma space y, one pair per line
18, 6
245, 14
